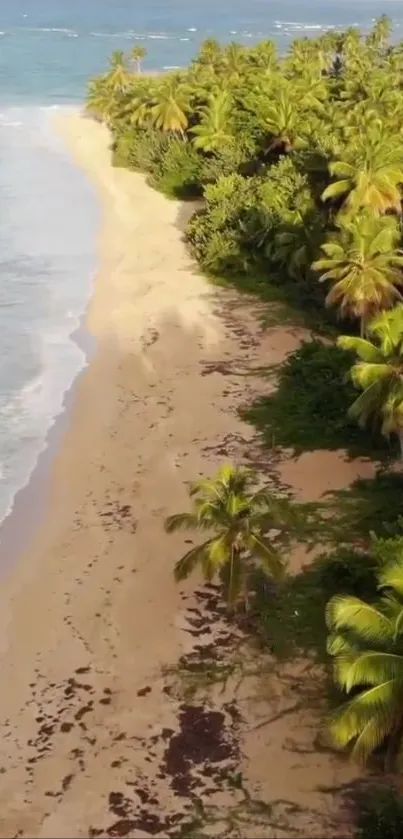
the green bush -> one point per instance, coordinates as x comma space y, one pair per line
232, 158
219, 234
290, 617
142, 150
348, 572
309, 409
178, 172
389, 548
380, 814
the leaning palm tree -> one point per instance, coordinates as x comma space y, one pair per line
241, 520
366, 642
371, 174
378, 373
363, 265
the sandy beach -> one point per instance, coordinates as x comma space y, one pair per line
95, 741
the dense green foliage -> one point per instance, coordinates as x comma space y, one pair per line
309, 408
292, 187
296, 162
380, 814
290, 618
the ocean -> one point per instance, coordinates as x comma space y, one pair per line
48, 212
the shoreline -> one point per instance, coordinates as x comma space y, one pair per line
29, 502
92, 623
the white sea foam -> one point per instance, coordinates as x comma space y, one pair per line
58, 29
46, 268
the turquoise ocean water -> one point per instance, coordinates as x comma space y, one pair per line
48, 212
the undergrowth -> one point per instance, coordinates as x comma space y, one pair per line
309, 409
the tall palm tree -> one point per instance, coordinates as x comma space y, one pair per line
214, 129
378, 373
137, 54
364, 266
366, 642
371, 174
239, 518
171, 106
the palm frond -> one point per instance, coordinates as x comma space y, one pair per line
187, 563
181, 521
363, 619
269, 559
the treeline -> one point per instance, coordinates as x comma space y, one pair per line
298, 164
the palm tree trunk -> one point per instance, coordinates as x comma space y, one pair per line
400, 436
362, 326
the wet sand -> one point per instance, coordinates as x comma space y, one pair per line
97, 741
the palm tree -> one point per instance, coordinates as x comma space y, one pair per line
378, 373
135, 108
263, 55
171, 106
101, 101
137, 54
233, 60
371, 174
366, 641
213, 131
279, 118
210, 54
118, 77
364, 266
380, 33
239, 517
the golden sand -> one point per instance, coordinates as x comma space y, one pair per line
93, 739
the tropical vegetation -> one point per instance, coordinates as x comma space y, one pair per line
366, 643
246, 524
296, 162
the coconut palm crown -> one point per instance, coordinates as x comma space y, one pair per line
366, 644
240, 521
378, 373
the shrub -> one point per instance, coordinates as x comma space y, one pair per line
290, 617
218, 235
178, 172
380, 814
309, 409
348, 572
142, 150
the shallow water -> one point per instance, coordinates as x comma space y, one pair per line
48, 213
